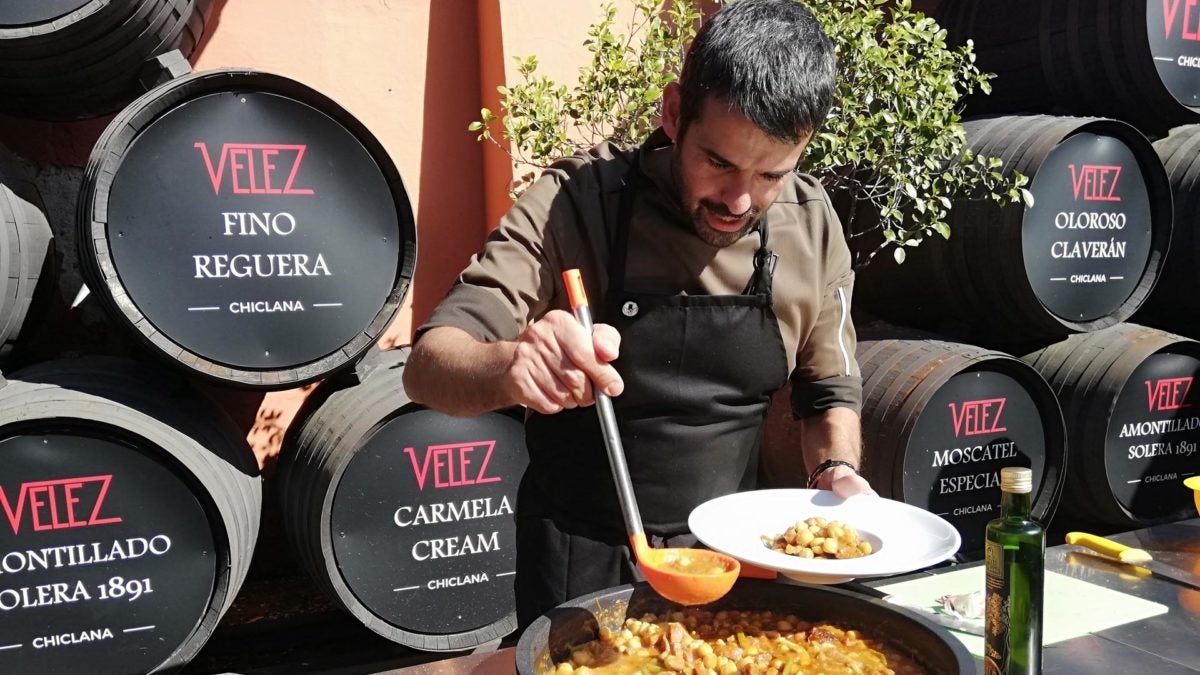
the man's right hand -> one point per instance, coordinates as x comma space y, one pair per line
555, 363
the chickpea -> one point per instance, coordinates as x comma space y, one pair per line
819, 538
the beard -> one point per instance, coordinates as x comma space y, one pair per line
715, 237
703, 207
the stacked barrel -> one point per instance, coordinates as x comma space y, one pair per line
25, 248
244, 232
1036, 362
71, 59
404, 515
132, 509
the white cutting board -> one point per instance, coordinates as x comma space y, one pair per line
1071, 607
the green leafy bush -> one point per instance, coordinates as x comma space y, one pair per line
892, 150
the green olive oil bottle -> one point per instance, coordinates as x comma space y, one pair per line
1015, 564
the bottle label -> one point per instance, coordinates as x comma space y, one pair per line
996, 617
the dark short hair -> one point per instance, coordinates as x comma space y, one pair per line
769, 59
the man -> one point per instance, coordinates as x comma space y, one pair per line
715, 272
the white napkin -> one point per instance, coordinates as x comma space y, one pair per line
962, 612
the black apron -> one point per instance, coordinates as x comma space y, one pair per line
699, 372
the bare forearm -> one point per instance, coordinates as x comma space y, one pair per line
833, 434
453, 373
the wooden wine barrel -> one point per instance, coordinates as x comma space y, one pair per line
131, 511
1174, 304
939, 421
25, 247
69, 59
404, 515
1085, 255
1128, 400
1133, 60
246, 228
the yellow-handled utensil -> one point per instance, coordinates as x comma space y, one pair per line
1132, 556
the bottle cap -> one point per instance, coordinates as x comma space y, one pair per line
1016, 479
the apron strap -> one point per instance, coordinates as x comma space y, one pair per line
764, 264
620, 242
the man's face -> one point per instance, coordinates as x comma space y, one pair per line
729, 171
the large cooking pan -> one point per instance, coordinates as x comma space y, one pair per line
551, 637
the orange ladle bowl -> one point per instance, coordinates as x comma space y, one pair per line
683, 575
688, 576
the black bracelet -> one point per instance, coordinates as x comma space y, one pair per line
825, 466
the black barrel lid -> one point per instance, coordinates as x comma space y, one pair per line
421, 528
247, 227
109, 560
1153, 439
1096, 229
991, 415
1174, 42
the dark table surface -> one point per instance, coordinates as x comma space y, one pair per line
1160, 645
1167, 643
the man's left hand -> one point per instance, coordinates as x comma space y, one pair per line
844, 482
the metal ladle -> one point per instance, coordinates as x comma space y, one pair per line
684, 575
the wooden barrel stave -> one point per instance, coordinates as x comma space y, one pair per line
90, 71
26, 248
1175, 302
40, 39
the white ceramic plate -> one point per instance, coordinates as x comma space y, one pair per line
905, 538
